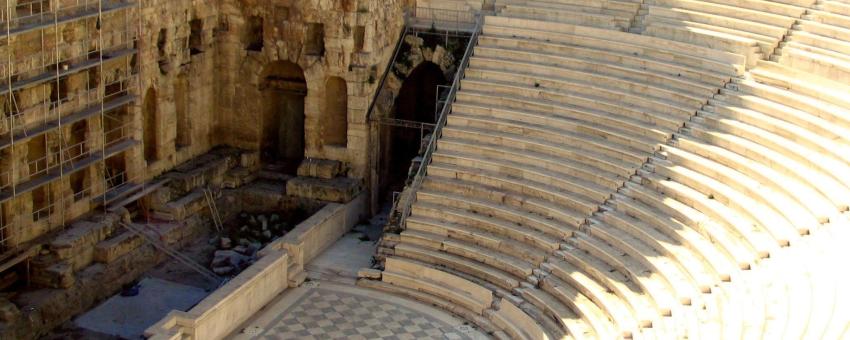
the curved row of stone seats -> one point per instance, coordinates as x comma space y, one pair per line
422, 278
820, 43
423, 249
535, 143
556, 187
731, 190
608, 14
750, 27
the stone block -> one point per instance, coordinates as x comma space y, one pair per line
8, 310
111, 249
184, 207
368, 273
58, 275
250, 160
320, 168
340, 190
81, 235
238, 177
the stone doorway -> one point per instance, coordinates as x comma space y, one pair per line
283, 90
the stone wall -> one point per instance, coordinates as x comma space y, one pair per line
357, 38
179, 74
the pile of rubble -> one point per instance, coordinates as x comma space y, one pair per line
247, 235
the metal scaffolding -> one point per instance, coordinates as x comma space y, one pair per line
66, 134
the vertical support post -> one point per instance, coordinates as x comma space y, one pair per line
12, 182
101, 93
59, 120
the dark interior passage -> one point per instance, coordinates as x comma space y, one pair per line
416, 101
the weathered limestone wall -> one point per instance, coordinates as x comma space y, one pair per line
179, 72
280, 266
27, 110
201, 77
357, 37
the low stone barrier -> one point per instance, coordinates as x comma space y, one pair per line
219, 314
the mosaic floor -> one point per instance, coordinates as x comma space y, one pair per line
324, 310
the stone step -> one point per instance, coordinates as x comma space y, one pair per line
592, 314
757, 239
490, 271
513, 231
688, 262
767, 102
642, 309
761, 214
721, 238
646, 124
533, 161
818, 206
577, 16
615, 308
726, 133
553, 308
650, 283
471, 235
747, 47
588, 131
587, 158
636, 73
619, 84
616, 41
679, 283
507, 214
614, 106
734, 10
407, 274
643, 221
585, 195
743, 182
339, 189
502, 261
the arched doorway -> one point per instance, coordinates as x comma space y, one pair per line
416, 101
283, 91
335, 124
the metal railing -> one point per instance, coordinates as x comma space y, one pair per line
381, 85
39, 12
443, 19
423, 17
408, 197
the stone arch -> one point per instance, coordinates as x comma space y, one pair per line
149, 122
335, 122
283, 90
416, 101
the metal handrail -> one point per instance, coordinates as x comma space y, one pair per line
445, 19
406, 201
389, 68
29, 13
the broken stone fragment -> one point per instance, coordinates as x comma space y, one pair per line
226, 243
230, 258
368, 273
8, 310
223, 270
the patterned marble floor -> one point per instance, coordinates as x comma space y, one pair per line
325, 310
